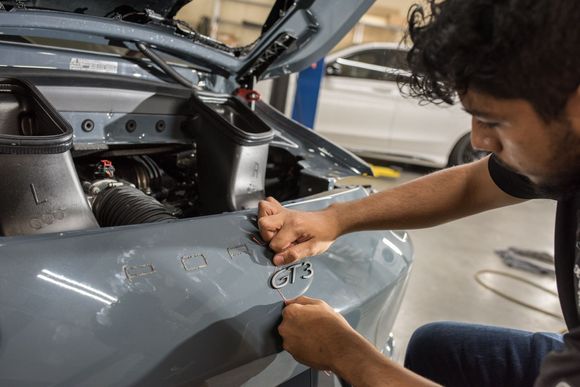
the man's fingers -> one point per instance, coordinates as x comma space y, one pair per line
284, 238
304, 300
269, 207
294, 253
269, 226
273, 201
270, 218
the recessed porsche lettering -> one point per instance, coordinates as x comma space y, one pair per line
238, 250
194, 262
290, 274
138, 271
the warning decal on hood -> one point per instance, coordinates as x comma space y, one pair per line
96, 66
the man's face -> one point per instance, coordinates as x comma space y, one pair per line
547, 153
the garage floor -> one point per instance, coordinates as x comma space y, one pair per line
443, 287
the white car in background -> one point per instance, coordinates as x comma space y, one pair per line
361, 108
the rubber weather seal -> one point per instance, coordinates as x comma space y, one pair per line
37, 128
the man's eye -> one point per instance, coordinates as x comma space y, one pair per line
489, 125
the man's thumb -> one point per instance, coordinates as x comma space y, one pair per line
293, 254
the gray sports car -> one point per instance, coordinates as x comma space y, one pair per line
133, 154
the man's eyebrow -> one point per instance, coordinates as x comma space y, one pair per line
478, 113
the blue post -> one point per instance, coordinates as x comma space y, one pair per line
307, 90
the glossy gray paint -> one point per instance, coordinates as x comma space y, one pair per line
21, 55
187, 301
315, 24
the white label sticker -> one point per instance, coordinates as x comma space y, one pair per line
97, 66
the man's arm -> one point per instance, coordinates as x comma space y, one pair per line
427, 201
331, 344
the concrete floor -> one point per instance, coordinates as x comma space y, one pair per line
442, 285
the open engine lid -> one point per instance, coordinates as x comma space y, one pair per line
105, 8
296, 33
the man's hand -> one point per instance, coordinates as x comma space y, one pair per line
294, 235
322, 339
315, 334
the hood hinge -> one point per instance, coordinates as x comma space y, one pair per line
261, 63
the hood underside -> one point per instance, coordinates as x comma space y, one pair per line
295, 35
104, 8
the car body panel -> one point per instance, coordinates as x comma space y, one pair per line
373, 118
167, 303
16, 55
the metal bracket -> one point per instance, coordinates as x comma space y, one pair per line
269, 56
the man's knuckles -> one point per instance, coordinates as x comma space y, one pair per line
263, 206
271, 200
282, 329
265, 223
268, 208
316, 301
295, 221
290, 312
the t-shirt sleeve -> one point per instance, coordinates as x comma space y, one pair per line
511, 182
562, 368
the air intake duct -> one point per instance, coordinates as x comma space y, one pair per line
232, 145
40, 191
124, 205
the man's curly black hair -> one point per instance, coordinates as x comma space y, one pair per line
528, 49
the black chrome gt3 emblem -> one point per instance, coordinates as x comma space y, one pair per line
290, 274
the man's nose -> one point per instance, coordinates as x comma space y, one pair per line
484, 139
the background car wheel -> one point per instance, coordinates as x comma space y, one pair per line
464, 153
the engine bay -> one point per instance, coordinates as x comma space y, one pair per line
128, 186
69, 169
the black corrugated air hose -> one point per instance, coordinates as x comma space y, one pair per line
124, 205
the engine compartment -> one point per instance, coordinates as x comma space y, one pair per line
164, 181
217, 157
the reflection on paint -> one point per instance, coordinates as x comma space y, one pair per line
75, 286
392, 246
400, 235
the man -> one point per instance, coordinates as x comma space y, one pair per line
515, 66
